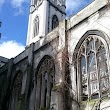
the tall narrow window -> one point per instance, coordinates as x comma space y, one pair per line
36, 26
16, 92
39, 2
35, 2
92, 58
55, 21
45, 80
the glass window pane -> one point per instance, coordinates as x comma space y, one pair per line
94, 89
97, 44
92, 67
36, 26
93, 76
103, 70
90, 44
84, 78
55, 21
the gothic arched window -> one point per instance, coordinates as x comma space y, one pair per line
55, 21
92, 68
16, 92
45, 79
35, 2
39, 2
36, 26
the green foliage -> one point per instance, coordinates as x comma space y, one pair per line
43, 109
93, 104
56, 87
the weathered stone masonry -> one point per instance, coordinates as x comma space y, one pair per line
50, 72
26, 63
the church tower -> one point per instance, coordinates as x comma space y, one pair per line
44, 16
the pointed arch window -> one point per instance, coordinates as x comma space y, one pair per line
55, 22
39, 2
35, 2
16, 92
36, 26
93, 68
45, 80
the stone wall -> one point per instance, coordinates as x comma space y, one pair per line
27, 63
92, 20
61, 45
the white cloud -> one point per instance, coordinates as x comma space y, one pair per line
1, 3
18, 4
10, 49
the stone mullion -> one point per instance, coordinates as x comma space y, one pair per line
108, 67
14, 100
38, 92
35, 87
42, 105
48, 97
78, 82
97, 69
105, 77
18, 92
87, 72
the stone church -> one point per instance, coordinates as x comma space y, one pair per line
66, 63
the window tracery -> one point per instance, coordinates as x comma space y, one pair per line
38, 2
36, 26
92, 58
45, 80
35, 2
16, 92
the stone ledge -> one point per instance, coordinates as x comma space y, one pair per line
86, 12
